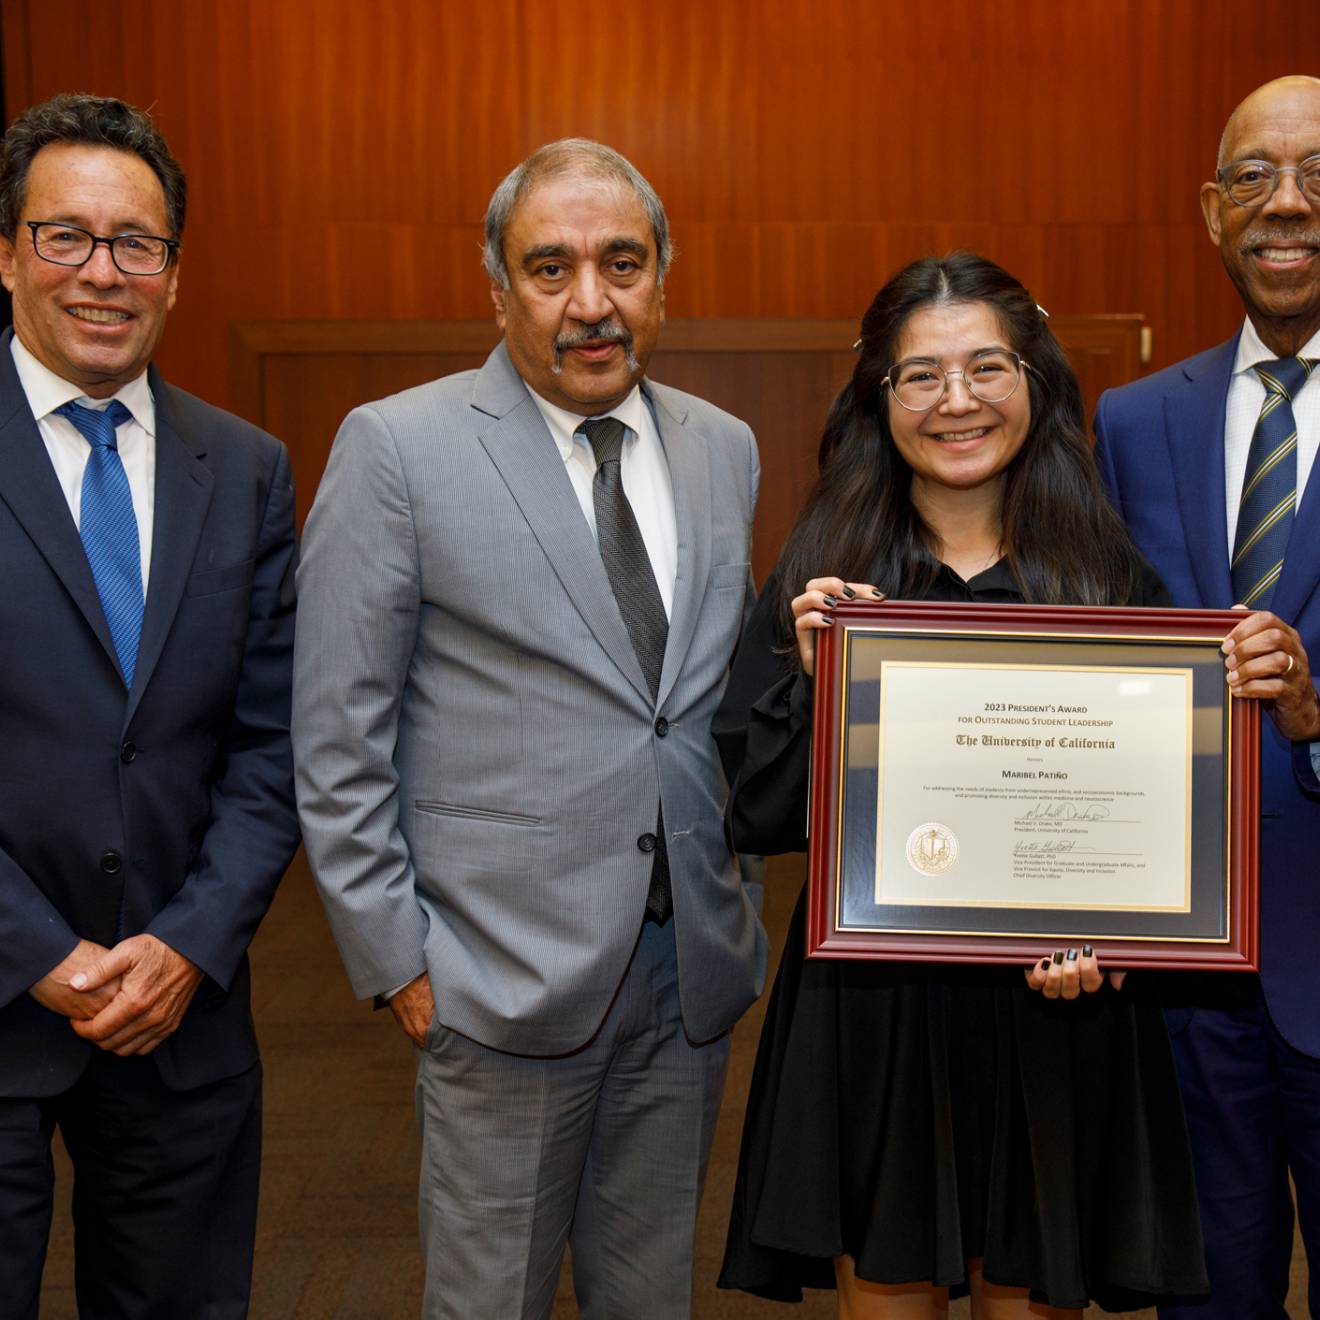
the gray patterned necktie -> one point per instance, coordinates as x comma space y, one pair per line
628, 567
623, 551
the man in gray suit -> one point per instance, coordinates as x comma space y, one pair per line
520, 590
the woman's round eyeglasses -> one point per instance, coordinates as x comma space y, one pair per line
991, 376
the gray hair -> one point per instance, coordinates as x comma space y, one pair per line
82, 120
580, 156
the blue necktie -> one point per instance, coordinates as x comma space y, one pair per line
1269, 488
109, 528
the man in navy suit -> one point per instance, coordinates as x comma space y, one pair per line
1210, 462
146, 789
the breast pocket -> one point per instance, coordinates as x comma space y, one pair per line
212, 581
729, 575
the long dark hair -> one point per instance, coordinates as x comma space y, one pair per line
1063, 542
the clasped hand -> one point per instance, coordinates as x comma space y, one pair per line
125, 1000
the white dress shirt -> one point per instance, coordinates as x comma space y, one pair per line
69, 451
645, 476
1246, 394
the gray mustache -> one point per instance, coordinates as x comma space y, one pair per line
1280, 238
603, 332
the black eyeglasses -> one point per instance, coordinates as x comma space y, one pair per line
134, 254
1252, 182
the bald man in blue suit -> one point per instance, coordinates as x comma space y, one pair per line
1180, 455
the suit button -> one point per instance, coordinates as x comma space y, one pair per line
128, 753
111, 863
646, 843
661, 727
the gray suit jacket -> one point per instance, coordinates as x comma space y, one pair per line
477, 751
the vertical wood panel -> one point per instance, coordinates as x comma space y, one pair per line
299, 379
341, 154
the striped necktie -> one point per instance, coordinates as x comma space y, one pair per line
109, 529
1269, 488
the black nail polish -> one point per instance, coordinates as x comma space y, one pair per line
877, 593
831, 601
827, 620
1072, 955
1087, 951
1044, 964
848, 591
1058, 957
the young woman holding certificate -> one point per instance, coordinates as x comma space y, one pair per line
918, 1131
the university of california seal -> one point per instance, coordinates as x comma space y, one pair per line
932, 848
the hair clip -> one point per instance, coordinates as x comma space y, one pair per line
1042, 311
856, 346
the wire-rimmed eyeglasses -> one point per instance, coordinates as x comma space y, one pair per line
991, 376
1252, 182
67, 245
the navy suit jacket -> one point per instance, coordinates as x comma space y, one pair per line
1160, 447
167, 809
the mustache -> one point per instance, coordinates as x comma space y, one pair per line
1269, 237
602, 332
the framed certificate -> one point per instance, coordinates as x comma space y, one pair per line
992, 782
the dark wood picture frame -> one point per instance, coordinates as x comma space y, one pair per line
1149, 636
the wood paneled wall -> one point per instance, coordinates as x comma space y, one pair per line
341, 154
298, 379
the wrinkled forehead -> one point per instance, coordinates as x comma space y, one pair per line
594, 208
72, 180
1281, 119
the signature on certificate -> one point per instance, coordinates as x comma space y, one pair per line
1047, 847
1065, 811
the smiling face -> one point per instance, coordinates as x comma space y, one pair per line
961, 443
1272, 251
584, 304
91, 324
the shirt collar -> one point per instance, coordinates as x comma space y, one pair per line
46, 391
1251, 349
995, 581
564, 424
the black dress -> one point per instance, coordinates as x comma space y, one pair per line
916, 1116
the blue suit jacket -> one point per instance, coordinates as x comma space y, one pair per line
188, 778
1160, 446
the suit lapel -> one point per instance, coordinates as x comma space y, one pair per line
689, 477
29, 486
183, 494
1194, 423
530, 465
